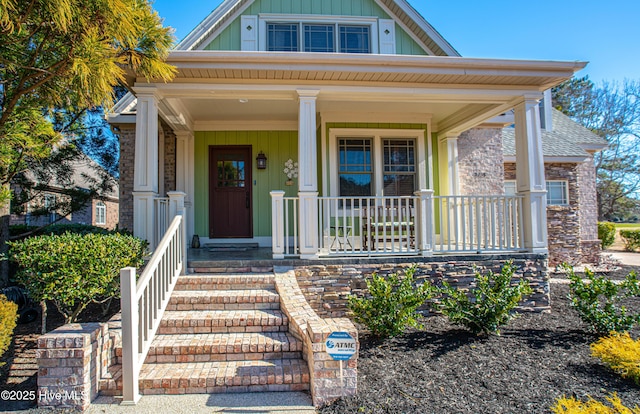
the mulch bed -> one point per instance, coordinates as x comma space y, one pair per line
442, 369
445, 369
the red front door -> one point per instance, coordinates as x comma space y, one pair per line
230, 201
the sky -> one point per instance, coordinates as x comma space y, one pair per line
606, 34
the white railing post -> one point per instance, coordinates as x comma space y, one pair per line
129, 309
176, 207
425, 228
277, 224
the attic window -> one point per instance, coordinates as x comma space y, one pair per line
318, 37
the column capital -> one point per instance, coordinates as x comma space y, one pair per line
185, 135
147, 91
308, 93
529, 100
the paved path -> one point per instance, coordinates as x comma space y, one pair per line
626, 258
262, 403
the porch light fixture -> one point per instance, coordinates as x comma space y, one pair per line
261, 159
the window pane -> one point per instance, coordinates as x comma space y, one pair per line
354, 39
509, 188
399, 158
282, 37
557, 193
319, 38
355, 169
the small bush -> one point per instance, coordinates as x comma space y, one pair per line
73, 270
20, 229
598, 301
606, 234
8, 320
631, 239
492, 301
573, 406
393, 303
620, 353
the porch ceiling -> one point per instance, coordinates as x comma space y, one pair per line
455, 93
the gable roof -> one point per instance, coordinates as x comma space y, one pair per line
400, 10
568, 141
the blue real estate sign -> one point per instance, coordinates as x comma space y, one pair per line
340, 346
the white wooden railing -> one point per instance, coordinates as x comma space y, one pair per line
367, 225
143, 302
162, 217
478, 223
422, 224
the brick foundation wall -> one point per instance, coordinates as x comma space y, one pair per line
327, 287
480, 162
591, 248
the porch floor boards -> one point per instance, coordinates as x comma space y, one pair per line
208, 343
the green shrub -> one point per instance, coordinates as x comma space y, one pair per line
20, 229
573, 406
598, 301
73, 270
631, 239
606, 234
392, 305
489, 305
621, 353
8, 319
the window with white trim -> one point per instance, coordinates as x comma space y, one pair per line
510, 187
101, 213
318, 37
377, 162
557, 193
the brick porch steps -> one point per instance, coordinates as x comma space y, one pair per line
223, 300
224, 347
216, 377
227, 321
220, 333
226, 282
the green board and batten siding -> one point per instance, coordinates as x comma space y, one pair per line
229, 39
278, 146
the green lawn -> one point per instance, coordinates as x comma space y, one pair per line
620, 226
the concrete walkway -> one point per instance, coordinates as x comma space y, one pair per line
626, 258
260, 403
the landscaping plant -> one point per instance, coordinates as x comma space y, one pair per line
621, 353
573, 406
392, 303
8, 320
598, 301
74, 270
487, 306
631, 239
606, 234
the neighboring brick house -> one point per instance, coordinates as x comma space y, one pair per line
99, 211
572, 211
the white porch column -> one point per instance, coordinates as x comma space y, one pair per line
530, 181
450, 144
308, 174
145, 177
185, 176
277, 224
425, 229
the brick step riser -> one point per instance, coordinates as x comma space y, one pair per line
215, 285
104, 389
223, 306
171, 359
171, 330
194, 268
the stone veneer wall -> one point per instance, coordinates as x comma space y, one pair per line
563, 222
127, 137
588, 212
480, 162
327, 286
